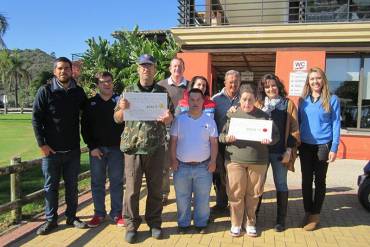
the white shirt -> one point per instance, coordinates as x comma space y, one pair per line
193, 144
183, 82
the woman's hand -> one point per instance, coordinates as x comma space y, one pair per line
230, 138
332, 156
266, 141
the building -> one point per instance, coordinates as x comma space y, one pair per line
286, 37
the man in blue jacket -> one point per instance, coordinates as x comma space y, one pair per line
56, 123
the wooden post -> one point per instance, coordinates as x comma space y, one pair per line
15, 190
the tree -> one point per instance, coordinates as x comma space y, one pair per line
3, 27
13, 73
120, 57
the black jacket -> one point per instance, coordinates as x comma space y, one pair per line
56, 115
98, 127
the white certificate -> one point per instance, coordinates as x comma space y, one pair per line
145, 106
250, 129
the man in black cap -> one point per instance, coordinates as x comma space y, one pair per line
143, 144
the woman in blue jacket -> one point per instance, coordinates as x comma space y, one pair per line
319, 123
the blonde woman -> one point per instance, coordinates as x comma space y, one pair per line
319, 122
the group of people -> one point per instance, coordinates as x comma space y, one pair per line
192, 139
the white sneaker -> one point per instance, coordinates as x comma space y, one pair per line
235, 231
251, 231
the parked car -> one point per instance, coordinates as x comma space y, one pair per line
363, 182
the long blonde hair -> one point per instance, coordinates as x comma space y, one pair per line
325, 93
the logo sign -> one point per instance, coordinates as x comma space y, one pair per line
299, 65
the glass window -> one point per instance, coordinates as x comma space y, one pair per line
344, 81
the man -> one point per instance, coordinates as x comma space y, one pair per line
193, 160
229, 96
102, 136
176, 85
143, 146
55, 120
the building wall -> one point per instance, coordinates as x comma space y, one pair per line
351, 146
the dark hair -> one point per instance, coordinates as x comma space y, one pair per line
100, 75
196, 90
62, 59
247, 88
263, 82
199, 77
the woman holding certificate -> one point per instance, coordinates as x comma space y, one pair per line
319, 123
246, 161
272, 100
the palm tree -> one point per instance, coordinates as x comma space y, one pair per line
13, 73
3, 27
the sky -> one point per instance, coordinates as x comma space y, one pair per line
64, 26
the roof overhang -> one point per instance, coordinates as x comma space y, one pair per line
334, 33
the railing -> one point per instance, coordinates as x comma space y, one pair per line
17, 199
237, 12
20, 110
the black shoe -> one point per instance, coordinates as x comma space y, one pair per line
183, 230
76, 222
130, 236
156, 232
201, 230
47, 227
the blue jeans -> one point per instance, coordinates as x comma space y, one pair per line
190, 179
112, 160
279, 172
53, 166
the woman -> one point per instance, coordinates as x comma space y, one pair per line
246, 165
201, 83
319, 123
272, 100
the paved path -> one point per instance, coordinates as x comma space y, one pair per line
344, 221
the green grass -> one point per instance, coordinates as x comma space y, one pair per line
17, 139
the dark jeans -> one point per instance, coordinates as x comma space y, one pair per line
152, 166
314, 164
53, 166
219, 179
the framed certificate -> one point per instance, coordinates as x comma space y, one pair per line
145, 106
250, 129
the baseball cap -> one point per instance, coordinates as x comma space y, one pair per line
146, 58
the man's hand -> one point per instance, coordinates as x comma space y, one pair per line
166, 118
230, 139
332, 156
96, 153
46, 150
212, 166
123, 104
174, 165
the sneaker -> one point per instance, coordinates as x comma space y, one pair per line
119, 221
95, 221
201, 229
235, 231
47, 227
156, 232
251, 231
76, 222
183, 229
130, 236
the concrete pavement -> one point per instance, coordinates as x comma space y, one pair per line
344, 221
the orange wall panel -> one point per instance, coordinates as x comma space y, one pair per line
197, 63
284, 64
354, 147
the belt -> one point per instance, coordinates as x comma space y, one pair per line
194, 163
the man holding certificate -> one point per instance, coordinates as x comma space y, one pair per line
246, 159
143, 107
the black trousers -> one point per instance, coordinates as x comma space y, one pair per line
219, 178
314, 166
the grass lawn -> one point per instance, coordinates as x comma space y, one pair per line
17, 139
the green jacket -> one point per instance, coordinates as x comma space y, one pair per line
242, 151
144, 137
